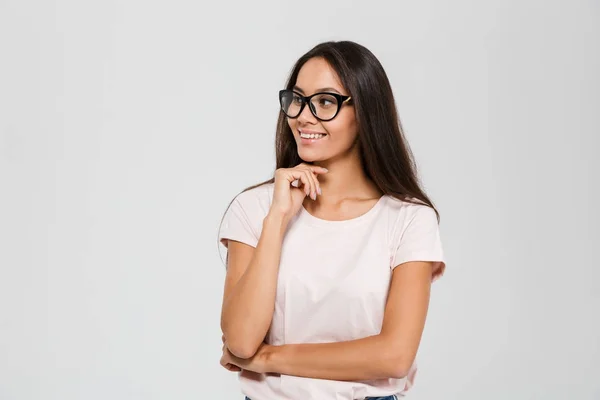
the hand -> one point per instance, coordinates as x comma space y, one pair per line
257, 363
288, 197
228, 366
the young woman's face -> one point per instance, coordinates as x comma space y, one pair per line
338, 136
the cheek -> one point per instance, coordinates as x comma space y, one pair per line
343, 130
291, 123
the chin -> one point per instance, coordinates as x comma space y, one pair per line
310, 156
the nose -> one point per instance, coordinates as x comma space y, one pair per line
306, 116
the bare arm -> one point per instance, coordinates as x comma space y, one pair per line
251, 282
389, 354
250, 288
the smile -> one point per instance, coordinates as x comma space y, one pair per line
307, 136
312, 135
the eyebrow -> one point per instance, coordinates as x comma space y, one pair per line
326, 89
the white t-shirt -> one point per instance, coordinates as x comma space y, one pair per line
334, 278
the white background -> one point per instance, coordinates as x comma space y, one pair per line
126, 127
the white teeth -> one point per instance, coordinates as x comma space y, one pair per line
311, 135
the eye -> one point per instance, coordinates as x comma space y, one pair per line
326, 101
297, 99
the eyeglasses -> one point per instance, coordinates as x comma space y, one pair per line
323, 105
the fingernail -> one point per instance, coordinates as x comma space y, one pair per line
319, 191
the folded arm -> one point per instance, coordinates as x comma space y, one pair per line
389, 354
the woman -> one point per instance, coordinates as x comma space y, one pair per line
330, 263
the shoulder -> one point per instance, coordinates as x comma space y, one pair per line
402, 212
243, 219
256, 200
406, 220
415, 234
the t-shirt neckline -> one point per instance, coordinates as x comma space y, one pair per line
308, 217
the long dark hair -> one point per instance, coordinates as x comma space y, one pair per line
385, 154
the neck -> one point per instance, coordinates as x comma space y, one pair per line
346, 178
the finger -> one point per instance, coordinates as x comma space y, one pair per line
313, 185
297, 174
304, 177
230, 367
316, 169
317, 183
223, 362
225, 359
308, 185
233, 368
288, 174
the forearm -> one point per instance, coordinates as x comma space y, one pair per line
373, 357
248, 310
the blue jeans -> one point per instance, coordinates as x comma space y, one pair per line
369, 398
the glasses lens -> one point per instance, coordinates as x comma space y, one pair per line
324, 105
290, 103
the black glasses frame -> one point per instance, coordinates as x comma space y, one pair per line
341, 99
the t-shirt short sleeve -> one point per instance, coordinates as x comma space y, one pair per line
242, 221
419, 240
